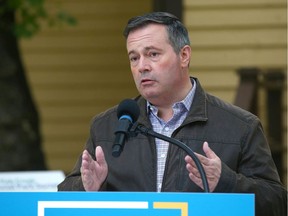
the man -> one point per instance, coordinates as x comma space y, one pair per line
228, 141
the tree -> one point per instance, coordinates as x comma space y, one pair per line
20, 136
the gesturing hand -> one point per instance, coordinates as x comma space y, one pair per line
93, 173
211, 165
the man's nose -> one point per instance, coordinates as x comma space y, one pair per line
144, 65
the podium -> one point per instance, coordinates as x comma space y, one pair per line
125, 204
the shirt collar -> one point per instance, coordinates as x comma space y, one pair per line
187, 101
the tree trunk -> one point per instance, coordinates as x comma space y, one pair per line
20, 139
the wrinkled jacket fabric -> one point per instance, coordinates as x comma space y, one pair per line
235, 135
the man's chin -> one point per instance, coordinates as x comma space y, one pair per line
151, 97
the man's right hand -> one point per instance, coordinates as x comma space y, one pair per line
93, 173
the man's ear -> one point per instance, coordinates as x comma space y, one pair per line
185, 55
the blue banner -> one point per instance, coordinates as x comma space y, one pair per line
125, 204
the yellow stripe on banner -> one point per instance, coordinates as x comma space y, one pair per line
173, 205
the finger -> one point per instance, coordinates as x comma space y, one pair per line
210, 172
86, 156
85, 159
87, 162
193, 170
208, 151
100, 157
196, 180
202, 159
190, 161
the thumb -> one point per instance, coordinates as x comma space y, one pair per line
100, 158
208, 151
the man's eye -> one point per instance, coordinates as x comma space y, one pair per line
133, 59
154, 54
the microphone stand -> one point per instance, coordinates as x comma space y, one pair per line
137, 128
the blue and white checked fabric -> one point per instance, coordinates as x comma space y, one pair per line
166, 128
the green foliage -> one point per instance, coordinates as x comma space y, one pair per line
30, 15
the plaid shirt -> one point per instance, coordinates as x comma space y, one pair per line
166, 128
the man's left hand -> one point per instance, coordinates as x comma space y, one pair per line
211, 165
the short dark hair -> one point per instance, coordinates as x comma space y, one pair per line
177, 33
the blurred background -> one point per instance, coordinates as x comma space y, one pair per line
55, 81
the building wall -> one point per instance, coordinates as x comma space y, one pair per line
78, 72
227, 35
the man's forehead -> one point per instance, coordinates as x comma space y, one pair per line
144, 49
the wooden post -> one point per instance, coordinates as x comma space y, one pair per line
274, 84
170, 6
247, 94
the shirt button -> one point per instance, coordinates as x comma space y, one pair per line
166, 128
163, 155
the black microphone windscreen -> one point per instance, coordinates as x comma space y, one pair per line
128, 107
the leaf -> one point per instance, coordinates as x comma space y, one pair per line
29, 13
66, 18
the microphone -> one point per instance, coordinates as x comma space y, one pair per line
127, 112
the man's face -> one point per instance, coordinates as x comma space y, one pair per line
157, 70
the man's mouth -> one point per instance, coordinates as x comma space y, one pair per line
146, 81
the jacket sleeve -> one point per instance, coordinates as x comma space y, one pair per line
99, 130
256, 174
73, 181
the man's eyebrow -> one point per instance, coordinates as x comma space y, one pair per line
146, 49
131, 52
151, 47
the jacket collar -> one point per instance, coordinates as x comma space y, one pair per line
197, 112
